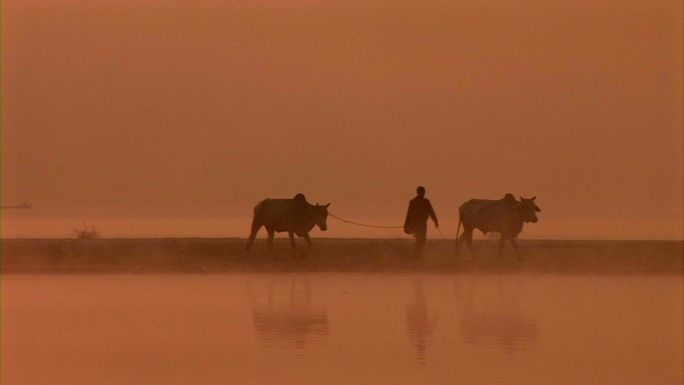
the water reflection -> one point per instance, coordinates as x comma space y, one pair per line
341, 329
288, 316
420, 320
491, 316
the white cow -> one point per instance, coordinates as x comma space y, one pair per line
505, 216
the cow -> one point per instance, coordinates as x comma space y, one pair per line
296, 216
505, 216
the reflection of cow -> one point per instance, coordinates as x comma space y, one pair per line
289, 315
505, 216
492, 318
291, 215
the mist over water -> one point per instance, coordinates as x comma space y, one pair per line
342, 328
20, 225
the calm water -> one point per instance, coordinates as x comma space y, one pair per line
341, 329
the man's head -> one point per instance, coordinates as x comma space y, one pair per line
421, 191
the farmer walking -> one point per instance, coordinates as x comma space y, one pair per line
417, 215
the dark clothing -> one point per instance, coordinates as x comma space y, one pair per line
420, 209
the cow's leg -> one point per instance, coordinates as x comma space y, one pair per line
271, 234
459, 242
501, 244
252, 235
515, 246
308, 244
511, 238
292, 243
468, 234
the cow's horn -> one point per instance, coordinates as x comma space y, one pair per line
328, 205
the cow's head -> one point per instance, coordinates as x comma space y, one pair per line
321, 215
528, 209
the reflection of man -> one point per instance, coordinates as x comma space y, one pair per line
419, 210
420, 322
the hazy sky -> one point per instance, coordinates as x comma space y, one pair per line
177, 117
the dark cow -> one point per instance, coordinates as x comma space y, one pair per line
292, 215
505, 216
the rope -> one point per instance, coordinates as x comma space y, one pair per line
377, 227
361, 224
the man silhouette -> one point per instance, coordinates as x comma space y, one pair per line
417, 215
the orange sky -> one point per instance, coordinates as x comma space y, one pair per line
143, 117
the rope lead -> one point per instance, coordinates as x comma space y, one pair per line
361, 224
377, 227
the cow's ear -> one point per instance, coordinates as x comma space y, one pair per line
534, 197
328, 205
537, 209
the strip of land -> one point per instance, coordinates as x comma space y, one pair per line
215, 255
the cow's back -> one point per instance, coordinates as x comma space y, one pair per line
473, 209
473, 206
485, 214
275, 213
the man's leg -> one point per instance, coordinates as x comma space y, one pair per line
421, 235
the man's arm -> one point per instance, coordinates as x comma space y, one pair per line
433, 215
409, 218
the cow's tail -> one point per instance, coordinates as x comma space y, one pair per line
257, 219
256, 225
458, 230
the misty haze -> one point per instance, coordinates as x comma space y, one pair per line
160, 119
339, 192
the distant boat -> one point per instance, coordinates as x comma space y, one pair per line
24, 205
